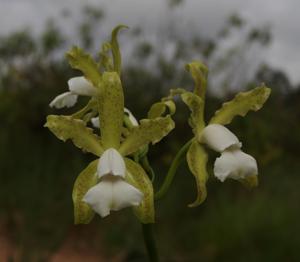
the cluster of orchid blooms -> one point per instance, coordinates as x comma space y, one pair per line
121, 175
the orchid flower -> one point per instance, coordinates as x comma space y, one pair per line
113, 181
77, 86
233, 162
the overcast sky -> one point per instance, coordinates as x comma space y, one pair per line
207, 15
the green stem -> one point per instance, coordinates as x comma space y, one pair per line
146, 165
150, 242
172, 170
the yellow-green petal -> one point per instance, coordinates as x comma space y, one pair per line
66, 127
199, 73
241, 104
159, 108
196, 105
137, 177
197, 160
82, 61
149, 131
83, 214
115, 48
111, 110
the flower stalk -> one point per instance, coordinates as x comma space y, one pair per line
150, 242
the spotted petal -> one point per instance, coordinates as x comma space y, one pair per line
65, 127
241, 105
111, 110
197, 160
149, 130
137, 177
83, 214
82, 61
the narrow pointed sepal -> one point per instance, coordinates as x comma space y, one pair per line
197, 160
111, 110
199, 74
82, 61
241, 104
196, 105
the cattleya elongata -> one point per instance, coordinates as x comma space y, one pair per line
121, 176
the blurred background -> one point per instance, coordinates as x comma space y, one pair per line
243, 43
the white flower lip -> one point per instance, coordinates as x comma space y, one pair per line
81, 86
67, 99
111, 163
219, 138
77, 86
95, 122
235, 164
132, 119
112, 193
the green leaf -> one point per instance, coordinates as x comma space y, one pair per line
82, 61
149, 130
137, 177
111, 110
115, 48
196, 105
197, 160
159, 108
83, 214
241, 104
199, 73
66, 127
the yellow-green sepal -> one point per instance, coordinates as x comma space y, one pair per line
82, 61
159, 109
241, 104
196, 106
66, 127
199, 74
137, 177
197, 161
115, 48
83, 214
106, 63
149, 131
111, 110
